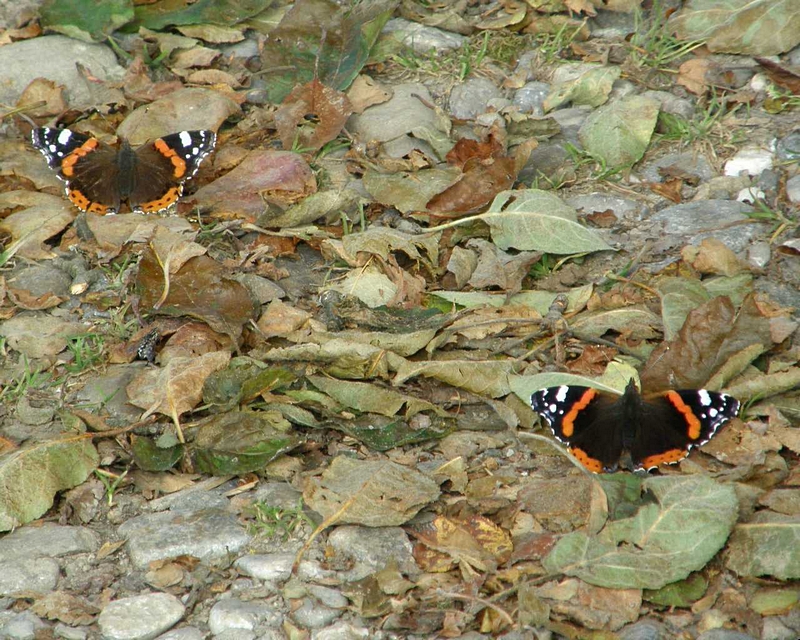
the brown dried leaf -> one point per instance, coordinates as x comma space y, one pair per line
178, 387
311, 116
711, 334
713, 256
222, 303
693, 74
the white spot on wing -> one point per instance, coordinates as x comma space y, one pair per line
185, 138
705, 398
561, 395
64, 136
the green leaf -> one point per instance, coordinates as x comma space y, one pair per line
165, 13
538, 300
86, 20
620, 132
380, 433
241, 442
317, 38
244, 380
665, 541
753, 27
679, 594
591, 88
409, 192
536, 220
31, 476
150, 457
486, 378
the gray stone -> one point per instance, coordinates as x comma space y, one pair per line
724, 634
395, 117
312, 615
751, 160
55, 57
341, 631
690, 223
670, 103
236, 634
371, 549
530, 97
194, 501
570, 121
329, 597
758, 254
66, 632
277, 494
598, 202
793, 189
49, 540
233, 614
642, 630
788, 147
422, 38
22, 626
209, 535
184, 633
691, 163
142, 617
261, 289
41, 279
613, 25
28, 574
107, 389
469, 99
272, 567
774, 629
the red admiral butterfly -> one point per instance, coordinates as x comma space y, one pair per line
99, 178
599, 427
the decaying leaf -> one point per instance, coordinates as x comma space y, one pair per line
373, 494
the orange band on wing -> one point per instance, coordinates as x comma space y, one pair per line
568, 423
177, 162
592, 464
165, 202
68, 163
668, 457
688, 415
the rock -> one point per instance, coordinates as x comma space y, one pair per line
691, 163
209, 534
312, 615
23, 626
793, 189
141, 617
272, 567
49, 540
341, 631
599, 202
184, 633
690, 222
370, 549
233, 614
55, 57
66, 632
469, 99
421, 38
28, 574
752, 160
530, 97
